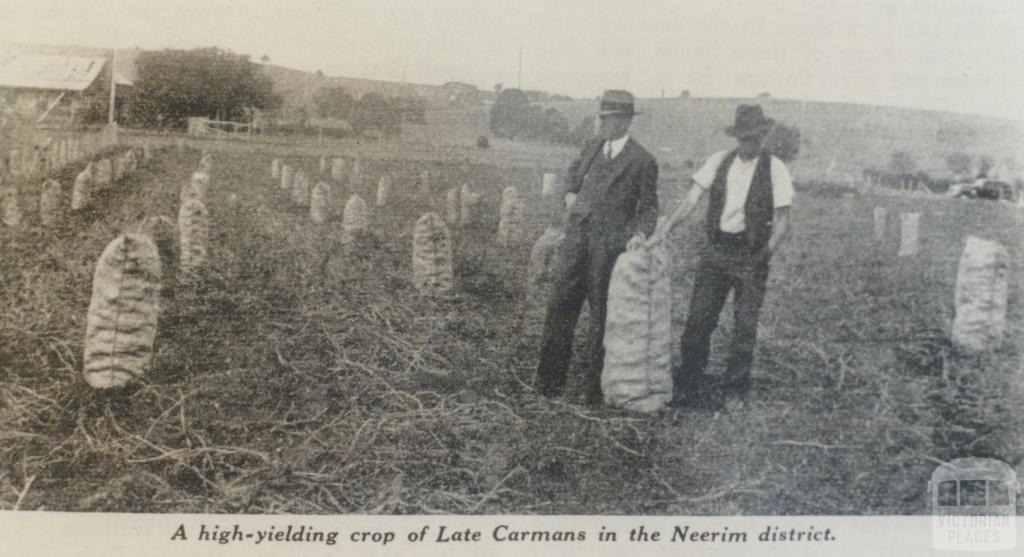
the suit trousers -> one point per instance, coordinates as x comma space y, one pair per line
724, 267
584, 274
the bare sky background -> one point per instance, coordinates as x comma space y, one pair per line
956, 55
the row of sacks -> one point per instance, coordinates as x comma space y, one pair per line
342, 172
122, 319
193, 227
101, 175
193, 215
462, 205
121, 323
123, 313
320, 200
354, 215
51, 155
124, 309
95, 177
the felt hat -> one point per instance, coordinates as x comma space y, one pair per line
615, 101
750, 120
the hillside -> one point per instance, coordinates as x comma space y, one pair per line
838, 140
298, 87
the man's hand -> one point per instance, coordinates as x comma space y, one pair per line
636, 241
570, 200
662, 231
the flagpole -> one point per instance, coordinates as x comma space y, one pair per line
111, 116
519, 80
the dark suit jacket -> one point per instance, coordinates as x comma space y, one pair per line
629, 201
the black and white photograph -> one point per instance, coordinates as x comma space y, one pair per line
480, 260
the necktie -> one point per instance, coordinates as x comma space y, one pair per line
608, 150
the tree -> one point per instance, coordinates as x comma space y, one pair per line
783, 142
959, 164
513, 116
373, 111
173, 85
410, 109
556, 126
985, 164
530, 123
582, 132
508, 113
902, 163
334, 102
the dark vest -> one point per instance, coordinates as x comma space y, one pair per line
758, 208
595, 181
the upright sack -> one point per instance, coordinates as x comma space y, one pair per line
122, 321
637, 372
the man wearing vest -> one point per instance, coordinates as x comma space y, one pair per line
750, 192
612, 202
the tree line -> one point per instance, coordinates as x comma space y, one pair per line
514, 117
173, 85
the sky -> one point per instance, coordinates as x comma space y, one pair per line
955, 55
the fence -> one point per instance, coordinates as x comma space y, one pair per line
28, 153
200, 127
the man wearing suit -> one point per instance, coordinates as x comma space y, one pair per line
750, 192
612, 201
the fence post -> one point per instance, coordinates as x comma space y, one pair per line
881, 219
981, 293
909, 233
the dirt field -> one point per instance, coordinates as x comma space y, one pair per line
297, 379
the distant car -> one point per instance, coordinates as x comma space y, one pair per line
983, 189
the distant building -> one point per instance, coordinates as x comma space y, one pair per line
56, 90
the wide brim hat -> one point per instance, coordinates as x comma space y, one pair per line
615, 101
750, 120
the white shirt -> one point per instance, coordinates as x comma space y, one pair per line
615, 146
737, 184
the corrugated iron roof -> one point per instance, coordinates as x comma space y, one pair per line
43, 71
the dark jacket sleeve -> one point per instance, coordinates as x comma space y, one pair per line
578, 166
574, 181
646, 216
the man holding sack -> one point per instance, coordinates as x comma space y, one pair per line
748, 215
612, 202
